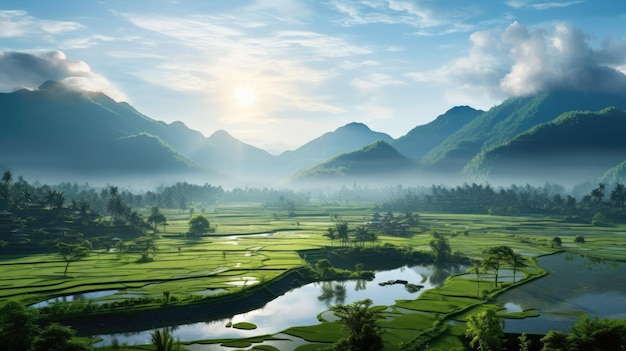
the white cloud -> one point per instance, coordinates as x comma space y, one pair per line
375, 81
384, 11
17, 23
25, 70
519, 61
216, 56
542, 5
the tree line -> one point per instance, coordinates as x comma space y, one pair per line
601, 203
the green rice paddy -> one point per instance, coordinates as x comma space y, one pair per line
251, 245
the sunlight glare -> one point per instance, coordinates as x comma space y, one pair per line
245, 97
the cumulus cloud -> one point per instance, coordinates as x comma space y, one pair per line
520, 61
24, 70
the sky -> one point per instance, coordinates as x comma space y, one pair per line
279, 73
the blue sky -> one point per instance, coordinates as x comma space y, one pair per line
278, 73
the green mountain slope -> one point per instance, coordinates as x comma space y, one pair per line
503, 122
616, 174
66, 131
57, 129
375, 160
574, 147
422, 139
351, 137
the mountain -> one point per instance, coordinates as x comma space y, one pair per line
59, 130
503, 122
614, 175
223, 152
55, 129
574, 147
350, 137
379, 159
421, 139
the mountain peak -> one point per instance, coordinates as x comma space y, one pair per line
221, 135
354, 126
51, 84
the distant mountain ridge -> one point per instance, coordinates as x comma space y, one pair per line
503, 122
376, 159
573, 147
349, 137
422, 139
59, 130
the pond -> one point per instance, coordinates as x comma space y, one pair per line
300, 306
575, 285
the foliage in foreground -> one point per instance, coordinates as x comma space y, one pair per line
359, 319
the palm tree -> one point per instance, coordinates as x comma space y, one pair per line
361, 234
26, 198
331, 234
477, 270
163, 340
83, 211
49, 200
342, 232
59, 200
484, 329
7, 179
516, 260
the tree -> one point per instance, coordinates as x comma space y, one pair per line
515, 260
524, 342
72, 252
331, 234
325, 268
18, 326
359, 319
162, 340
362, 234
57, 338
342, 232
441, 248
147, 247
477, 270
555, 341
598, 334
556, 242
199, 224
156, 218
485, 331
495, 257
7, 180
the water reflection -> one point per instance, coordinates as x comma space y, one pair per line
333, 293
576, 284
311, 300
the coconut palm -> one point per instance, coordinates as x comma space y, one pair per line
331, 234
361, 234
162, 340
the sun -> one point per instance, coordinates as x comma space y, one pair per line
245, 97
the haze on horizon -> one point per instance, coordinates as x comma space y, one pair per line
276, 74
